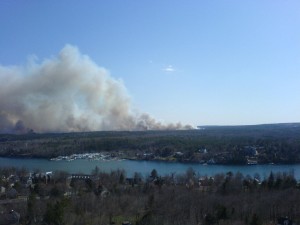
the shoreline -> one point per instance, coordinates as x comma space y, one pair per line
148, 160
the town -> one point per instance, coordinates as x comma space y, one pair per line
113, 198
259, 144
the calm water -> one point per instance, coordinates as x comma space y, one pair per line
145, 167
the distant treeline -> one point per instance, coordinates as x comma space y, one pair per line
274, 143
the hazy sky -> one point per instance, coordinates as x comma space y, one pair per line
198, 62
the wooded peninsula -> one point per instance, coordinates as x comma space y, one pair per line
252, 144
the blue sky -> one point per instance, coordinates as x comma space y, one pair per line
198, 62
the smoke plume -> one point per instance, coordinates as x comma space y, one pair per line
67, 93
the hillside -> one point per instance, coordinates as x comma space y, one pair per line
270, 143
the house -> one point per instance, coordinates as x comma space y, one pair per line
252, 161
205, 183
126, 223
12, 193
39, 177
48, 176
203, 151
81, 182
285, 221
133, 181
130, 181
81, 177
250, 151
11, 218
157, 181
178, 154
28, 181
12, 179
211, 161
2, 190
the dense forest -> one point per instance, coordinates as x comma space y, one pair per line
273, 143
115, 199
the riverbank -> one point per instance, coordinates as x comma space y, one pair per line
145, 167
107, 156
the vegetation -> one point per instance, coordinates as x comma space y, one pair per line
275, 143
112, 198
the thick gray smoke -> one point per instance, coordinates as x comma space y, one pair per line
65, 94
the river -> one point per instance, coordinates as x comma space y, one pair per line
144, 167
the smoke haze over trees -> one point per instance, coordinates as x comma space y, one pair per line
67, 93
